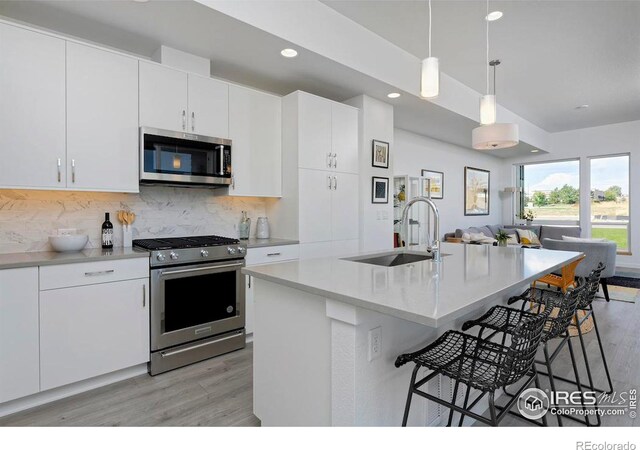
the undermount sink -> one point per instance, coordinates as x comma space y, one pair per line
393, 259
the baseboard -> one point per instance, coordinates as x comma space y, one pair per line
52, 395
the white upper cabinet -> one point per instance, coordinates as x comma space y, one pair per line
19, 336
102, 120
255, 128
344, 138
32, 109
314, 132
163, 97
208, 106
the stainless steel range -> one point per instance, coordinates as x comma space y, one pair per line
197, 299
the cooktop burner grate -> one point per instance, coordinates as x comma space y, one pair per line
185, 242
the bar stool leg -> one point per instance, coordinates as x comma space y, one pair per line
466, 403
537, 384
409, 395
492, 409
587, 366
550, 372
453, 401
576, 373
604, 358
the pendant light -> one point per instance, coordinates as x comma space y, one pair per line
491, 135
430, 79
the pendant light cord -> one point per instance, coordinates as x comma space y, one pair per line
429, 28
487, 62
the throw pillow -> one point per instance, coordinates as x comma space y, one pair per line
528, 237
577, 239
513, 238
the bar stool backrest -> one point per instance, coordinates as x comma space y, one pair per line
593, 286
562, 310
521, 353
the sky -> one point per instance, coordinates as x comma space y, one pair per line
605, 172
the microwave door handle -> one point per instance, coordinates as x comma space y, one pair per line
221, 148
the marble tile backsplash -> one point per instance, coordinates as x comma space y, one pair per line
28, 218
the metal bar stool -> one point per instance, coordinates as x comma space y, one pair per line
560, 311
585, 305
480, 364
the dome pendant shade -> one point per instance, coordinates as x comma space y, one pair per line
430, 80
495, 136
487, 109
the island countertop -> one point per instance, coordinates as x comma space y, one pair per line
424, 292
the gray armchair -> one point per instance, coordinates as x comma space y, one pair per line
595, 252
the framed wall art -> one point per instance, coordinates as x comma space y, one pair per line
437, 184
380, 154
476, 191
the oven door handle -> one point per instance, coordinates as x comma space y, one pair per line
201, 269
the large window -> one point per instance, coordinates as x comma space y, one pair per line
610, 199
551, 191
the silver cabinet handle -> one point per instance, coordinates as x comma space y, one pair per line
335, 160
329, 160
335, 183
193, 121
184, 119
101, 272
329, 182
274, 254
144, 295
233, 182
73, 170
59, 167
249, 281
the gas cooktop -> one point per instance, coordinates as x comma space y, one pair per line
191, 250
184, 242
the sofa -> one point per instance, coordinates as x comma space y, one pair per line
542, 231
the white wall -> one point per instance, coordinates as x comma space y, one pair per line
413, 152
598, 141
376, 220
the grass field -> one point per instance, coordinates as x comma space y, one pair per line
572, 211
618, 235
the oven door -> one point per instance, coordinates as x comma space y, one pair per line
194, 302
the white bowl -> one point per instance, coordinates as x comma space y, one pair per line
69, 243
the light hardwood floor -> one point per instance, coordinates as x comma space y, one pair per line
218, 392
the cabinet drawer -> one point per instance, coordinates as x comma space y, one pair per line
80, 274
265, 255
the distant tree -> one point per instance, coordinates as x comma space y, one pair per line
554, 197
612, 193
539, 198
569, 195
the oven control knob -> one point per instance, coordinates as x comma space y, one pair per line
241, 250
231, 251
173, 255
204, 253
160, 257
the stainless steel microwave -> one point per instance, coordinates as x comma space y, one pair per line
179, 158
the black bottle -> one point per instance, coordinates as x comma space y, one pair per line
107, 232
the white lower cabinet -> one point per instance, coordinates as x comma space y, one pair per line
263, 255
91, 330
19, 349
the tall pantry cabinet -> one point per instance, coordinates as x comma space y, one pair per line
320, 189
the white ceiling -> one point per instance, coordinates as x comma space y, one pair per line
555, 54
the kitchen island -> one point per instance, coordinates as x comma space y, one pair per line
328, 330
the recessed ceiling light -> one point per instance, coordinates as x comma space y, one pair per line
582, 107
493, 15
289, 53
535, 150
393, 95
141, 1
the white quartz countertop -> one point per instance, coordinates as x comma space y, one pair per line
33, 259
425, 292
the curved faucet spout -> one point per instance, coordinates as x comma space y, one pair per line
435, 245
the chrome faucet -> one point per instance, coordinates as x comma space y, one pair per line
432, 246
